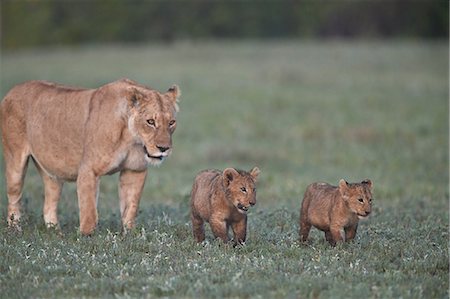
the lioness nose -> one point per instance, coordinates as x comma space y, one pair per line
162, 148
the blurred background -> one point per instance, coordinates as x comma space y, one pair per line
44, 23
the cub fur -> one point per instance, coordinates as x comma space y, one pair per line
75, 134
335, 210
223, 199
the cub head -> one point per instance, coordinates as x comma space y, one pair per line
152, 120
358, 196
240, 187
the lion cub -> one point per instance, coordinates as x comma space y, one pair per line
223, 199
335, 210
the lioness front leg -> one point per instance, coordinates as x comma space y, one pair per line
131, 184
240, 231
53, 190
87, 189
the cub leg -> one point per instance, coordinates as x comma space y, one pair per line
329, 237
337, 234
87, 189
219, 228
350, 232
240, 230
52, 193
305, 225
305, 228
197, 227
15, 168
131, 184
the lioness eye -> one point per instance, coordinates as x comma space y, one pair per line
243, 189
172, 122
151, 122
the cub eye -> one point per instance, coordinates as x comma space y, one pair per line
172, 122
370, 200
243, 189
360, 200
151, 122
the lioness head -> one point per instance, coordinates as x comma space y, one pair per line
240, 187
152, 120
358, 196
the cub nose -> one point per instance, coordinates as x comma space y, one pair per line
162, 148
367, 213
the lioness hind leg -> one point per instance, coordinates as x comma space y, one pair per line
52, 193
131, 184
16, 167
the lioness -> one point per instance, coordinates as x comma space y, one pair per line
335, 210
75, 134
223, 199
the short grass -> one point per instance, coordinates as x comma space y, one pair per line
302, 111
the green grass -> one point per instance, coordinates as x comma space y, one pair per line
302, 111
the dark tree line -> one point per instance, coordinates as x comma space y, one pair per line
27, 23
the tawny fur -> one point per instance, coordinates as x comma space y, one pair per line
222, 199
335, 210
75, 134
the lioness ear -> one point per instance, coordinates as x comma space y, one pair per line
343, 187
228, 175
174, 92
368, 183
135, 97
254, 172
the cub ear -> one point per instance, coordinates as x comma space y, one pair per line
255, 172
368, 183
228, 175
135, 98
343, 187
174, 92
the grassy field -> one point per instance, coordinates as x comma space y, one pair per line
302, 111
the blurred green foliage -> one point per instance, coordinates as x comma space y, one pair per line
38, 23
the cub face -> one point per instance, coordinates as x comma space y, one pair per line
152, 122
358, 197
241, 188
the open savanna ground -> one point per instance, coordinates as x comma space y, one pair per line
301, 111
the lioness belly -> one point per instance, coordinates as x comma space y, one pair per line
55, 132
59, 166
